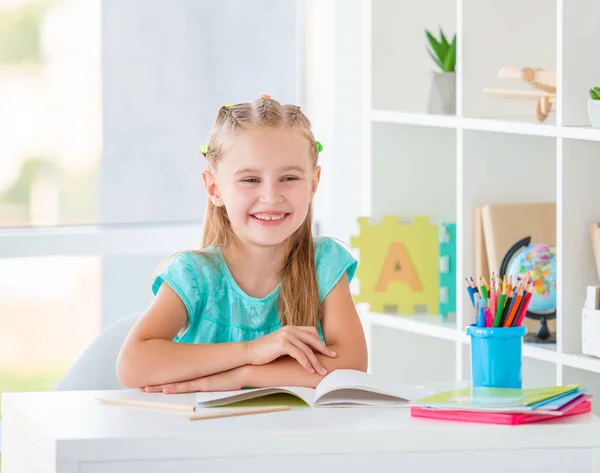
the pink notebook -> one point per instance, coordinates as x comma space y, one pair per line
496, 417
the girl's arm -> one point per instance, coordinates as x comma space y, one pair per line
344, 334
149, 356
342, 331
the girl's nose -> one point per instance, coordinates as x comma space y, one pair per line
271, 193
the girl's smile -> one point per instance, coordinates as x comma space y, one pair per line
269, 219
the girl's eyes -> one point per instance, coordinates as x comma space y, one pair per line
253, 180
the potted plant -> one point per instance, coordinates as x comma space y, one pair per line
594, 107
442, 96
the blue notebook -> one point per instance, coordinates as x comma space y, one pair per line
558, 401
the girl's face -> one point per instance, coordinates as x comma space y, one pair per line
266, 181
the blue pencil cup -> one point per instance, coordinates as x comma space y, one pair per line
497, 356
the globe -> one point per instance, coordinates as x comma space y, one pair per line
538, 261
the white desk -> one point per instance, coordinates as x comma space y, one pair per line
70, 432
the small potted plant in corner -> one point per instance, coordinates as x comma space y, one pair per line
594, 107
442, 95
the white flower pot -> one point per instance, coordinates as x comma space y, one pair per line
442, 94
594, 112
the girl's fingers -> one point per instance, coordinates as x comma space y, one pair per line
154, 389
300, 356
318, 367
185, 387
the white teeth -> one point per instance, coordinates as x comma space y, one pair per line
269, 216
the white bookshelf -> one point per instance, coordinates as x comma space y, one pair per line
477, 153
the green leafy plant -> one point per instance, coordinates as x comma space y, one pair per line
595, 93
442, 51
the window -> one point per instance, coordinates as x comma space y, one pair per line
104, 109
50, 114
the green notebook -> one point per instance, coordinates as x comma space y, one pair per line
493, 399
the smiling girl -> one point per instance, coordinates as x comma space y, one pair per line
261, 303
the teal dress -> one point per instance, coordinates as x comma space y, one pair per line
220, 311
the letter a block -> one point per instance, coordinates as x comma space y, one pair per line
399, 265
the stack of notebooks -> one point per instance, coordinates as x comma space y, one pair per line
504, 405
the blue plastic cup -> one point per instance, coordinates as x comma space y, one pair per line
497, 356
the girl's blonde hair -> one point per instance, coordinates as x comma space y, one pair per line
299, 302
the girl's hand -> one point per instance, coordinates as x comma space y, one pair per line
297, 342
231, 380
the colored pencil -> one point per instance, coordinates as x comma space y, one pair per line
515, 321
476, 293
509, 287
147, 404
475, 288
514, 307
498, 291
489, 320
509, 298
493, 299
500, 308
484, 289
526, 301
470, 291
238, 412
481, 313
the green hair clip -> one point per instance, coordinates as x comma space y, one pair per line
204, 149
319, 146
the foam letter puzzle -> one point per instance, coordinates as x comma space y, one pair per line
447, 251
398, 266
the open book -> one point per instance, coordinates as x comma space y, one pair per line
340, 388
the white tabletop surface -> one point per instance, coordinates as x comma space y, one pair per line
74, 426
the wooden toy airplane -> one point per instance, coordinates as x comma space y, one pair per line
541, 79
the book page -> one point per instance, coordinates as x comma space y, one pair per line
359, 398
222, 398
373, 387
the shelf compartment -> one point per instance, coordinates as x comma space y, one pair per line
578, 207
510, 33
401, 65
413, 172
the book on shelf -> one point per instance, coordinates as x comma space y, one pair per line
505, 224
